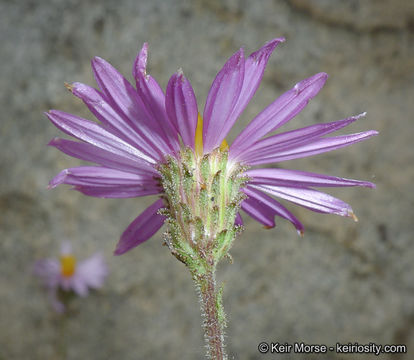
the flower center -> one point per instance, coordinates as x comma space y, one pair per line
67, 265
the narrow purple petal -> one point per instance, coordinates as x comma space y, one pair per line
238, 221
66, 248
48, 270
118, 192
101, 177
78, 285
154, 99
140, 64
94, 134
142, 228
300, 136
181, 105
126, 100
308, 198
280, 111
254, 67
115, 122
56, 304
284, 177
277, 208
88, 152
308, 149
221, 100
93, 271
259, 211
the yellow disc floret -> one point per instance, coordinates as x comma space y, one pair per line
224, 146
198, 143
67, 265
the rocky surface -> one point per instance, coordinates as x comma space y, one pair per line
343, 282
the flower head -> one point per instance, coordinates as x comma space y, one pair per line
151, 143
67, 274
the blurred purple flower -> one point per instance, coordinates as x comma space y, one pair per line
140, 126
68, 275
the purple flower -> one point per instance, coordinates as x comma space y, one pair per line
140, 126
68, 275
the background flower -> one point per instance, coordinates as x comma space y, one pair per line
67, 274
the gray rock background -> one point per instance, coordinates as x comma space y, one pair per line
343, 282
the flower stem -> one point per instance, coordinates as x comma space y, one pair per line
212, 312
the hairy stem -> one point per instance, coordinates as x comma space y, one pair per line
212, 313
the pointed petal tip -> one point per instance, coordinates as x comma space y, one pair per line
68, 86
278, 39
368, 184
274, 42
58, 179
118, 251
268, 227
49, 113
265, 51
51, 185
140, 63
316, 81
353, 216
236, 58
301, 232
97, 62
54, 141
322, 77
97, 59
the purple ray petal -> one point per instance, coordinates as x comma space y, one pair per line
94, 134
48, 270
79, 286
147, 142
140, 63
127, 101
154, 99
221, 100
238, 221
93, 270
254, 67
94, 154
280, 111
56, 304
277, 208
308, 198
293, 137
296, 178
118, 192
259, 211
142, 228
101, 177
181, 105
318, 146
